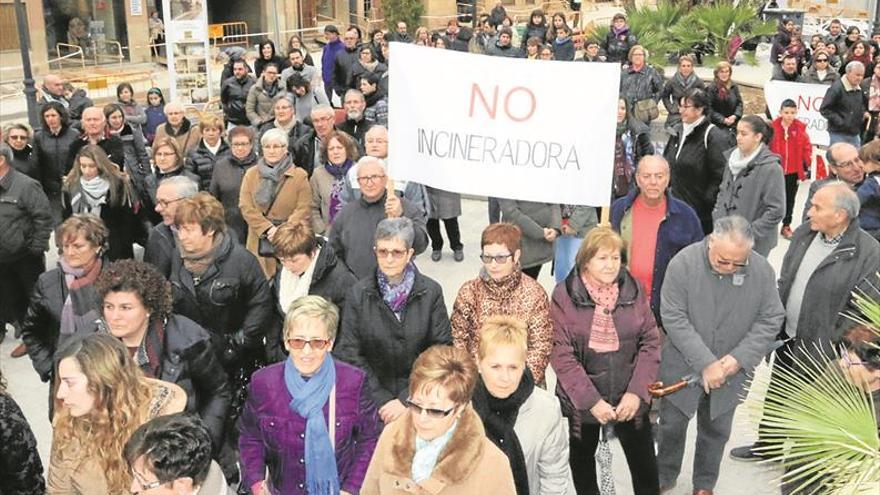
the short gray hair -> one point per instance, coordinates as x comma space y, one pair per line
355, 92
844, 198
274, 135
6, 153
372, 159
396, 228
185, 187
288, 98
375, 130
855, 64
733, 228
656, 158
322, 108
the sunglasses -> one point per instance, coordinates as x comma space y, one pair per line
17, 138
821, 60
431, 413
316, 344
499, 259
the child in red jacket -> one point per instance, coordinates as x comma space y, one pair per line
792, 143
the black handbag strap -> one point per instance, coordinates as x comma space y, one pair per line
275, 196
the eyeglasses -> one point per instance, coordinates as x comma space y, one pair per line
17, 138
395, 253
165, 202
164, 154
369, 179
274, 146
145, 486
431, 413
240, 145
316, 344
499, 259
848, 164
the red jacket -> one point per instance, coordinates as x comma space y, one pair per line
795, 150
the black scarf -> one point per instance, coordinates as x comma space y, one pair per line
499, 417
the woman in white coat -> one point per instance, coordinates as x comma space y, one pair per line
523, 420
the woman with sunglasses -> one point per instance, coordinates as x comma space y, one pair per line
309, 420
820, 71
439, 446
391, 317
606, 352
502, 289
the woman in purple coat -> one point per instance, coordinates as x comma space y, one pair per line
309, 419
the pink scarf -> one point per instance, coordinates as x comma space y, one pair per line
603, 334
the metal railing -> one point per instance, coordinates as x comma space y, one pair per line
231, 33
108, 45
76, 50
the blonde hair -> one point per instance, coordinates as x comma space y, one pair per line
447, 367
211, 121
122, 400
312, 307
501, 330
598, 238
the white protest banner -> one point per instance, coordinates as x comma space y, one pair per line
508, 128
808, 98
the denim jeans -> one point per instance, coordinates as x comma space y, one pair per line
853, 139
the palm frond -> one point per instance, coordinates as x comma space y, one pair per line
822, 426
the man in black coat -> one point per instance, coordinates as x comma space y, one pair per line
161, 246
307, 149
26, 223
400, 34
344, 60
845, 106
233, 94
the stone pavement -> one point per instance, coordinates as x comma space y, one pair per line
737, 478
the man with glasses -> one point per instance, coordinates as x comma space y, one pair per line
721, 312
355, 226
161, 246
662, 224
844, 166
845, 106
828, 257
172, 455
307, 149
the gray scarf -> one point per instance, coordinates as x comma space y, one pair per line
737, 163
271, 178
94, 192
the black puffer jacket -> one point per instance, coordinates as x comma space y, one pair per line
231, 300
698, 169
201, 162
226, 186
372, 338
24, 216
137, 162
161, 248
721, 108
55, 154
617, 47
40, 328
25, 161
188, 361
233, 96
304, 151
533, 31
331, 279
299, 130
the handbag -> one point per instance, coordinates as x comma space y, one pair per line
265, 248
646, 110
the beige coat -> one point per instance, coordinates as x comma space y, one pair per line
322, 185
292, 204
186, 141
71, 473
470, 464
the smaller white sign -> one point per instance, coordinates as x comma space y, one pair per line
137, 7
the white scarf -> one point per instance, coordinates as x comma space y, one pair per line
94, 192
293, 286
737, 162
215, 148
686, 129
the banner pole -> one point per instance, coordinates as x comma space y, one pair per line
605, 216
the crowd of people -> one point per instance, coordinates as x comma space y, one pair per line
278, 335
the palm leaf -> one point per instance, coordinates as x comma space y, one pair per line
820, 425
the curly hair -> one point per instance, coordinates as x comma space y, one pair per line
141, 278
122, 400
351, 151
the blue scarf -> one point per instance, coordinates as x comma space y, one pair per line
308, 401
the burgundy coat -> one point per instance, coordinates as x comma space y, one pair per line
585, 376
273, 436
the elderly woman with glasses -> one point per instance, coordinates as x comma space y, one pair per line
502, 289
439, 446
309, 420
391, 317
273, 192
